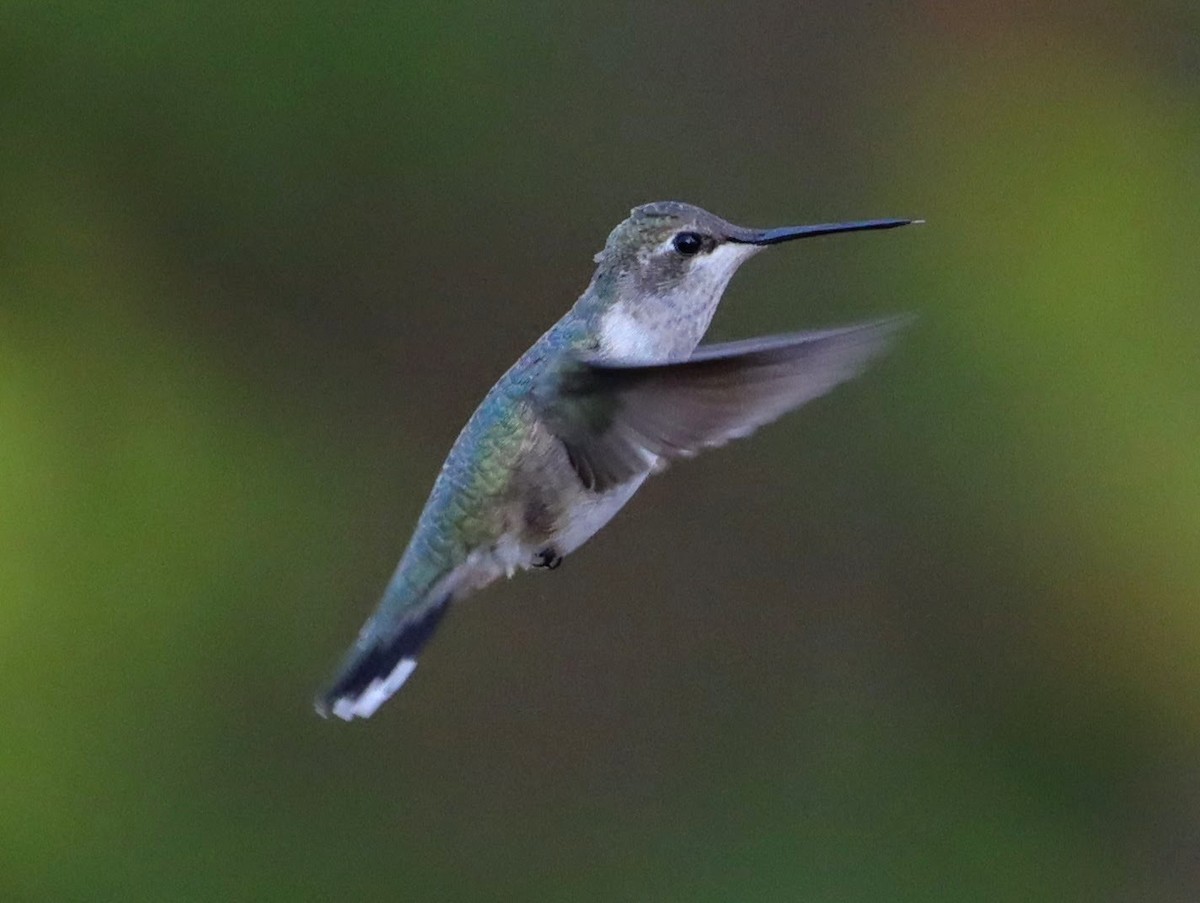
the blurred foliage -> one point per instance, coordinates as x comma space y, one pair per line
936, 637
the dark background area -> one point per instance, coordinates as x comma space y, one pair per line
935, 637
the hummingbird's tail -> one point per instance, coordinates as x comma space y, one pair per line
381, 660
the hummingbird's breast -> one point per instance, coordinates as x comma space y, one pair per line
551, 510
583, 517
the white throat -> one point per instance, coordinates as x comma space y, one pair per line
668, 326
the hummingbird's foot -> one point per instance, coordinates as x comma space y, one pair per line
547, 558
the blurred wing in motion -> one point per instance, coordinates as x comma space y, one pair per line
616, 420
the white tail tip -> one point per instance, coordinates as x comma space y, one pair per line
376, 694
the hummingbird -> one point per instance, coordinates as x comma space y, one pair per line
611, 393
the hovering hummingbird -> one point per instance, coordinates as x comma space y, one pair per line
611, 393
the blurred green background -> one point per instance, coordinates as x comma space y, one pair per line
936, 637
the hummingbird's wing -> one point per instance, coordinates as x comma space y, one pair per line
615, 419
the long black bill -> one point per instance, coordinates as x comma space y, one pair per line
788, 233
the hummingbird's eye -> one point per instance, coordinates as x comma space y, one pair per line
688, 243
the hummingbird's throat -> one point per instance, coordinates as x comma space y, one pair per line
656, 322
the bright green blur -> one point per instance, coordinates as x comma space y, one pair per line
936, 637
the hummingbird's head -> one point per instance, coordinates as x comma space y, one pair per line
667, 265
669, 247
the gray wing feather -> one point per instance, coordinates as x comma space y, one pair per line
615, 420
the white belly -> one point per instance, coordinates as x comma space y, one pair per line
591, 513
586, 517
